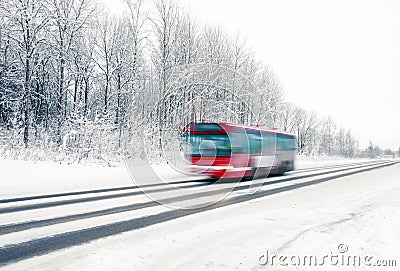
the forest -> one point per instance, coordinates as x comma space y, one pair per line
78, 83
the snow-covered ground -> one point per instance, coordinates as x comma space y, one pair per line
360, 213
323, 161
22, 178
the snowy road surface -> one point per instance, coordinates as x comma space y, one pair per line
298, 214
21, 178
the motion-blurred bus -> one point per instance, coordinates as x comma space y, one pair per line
224, 150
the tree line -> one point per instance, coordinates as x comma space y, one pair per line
77, 82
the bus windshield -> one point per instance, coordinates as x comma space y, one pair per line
208, 145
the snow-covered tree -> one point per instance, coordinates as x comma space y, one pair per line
28, 20
79, 83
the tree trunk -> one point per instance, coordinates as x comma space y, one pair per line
76, 87
26, 101
86, 95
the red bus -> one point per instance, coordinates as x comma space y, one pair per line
225, 150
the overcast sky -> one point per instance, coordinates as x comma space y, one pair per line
338, 58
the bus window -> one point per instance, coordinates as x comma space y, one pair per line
208, 145
268, 144
285, 143
239, 141
255, 142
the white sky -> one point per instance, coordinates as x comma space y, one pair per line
340, 58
